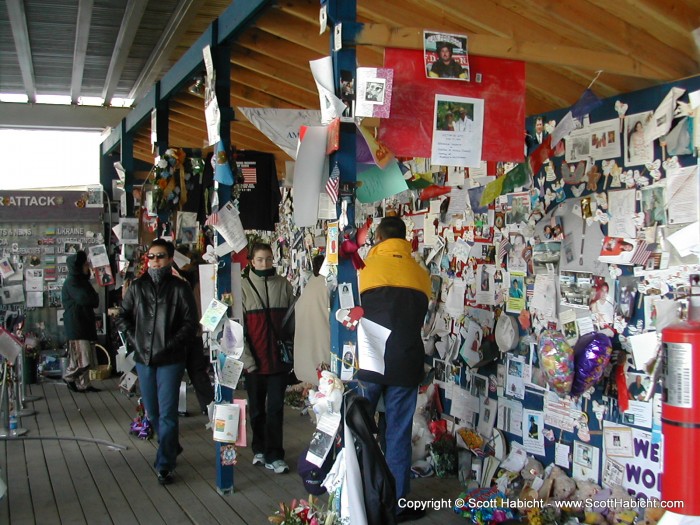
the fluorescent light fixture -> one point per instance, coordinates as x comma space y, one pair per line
53, 99
91, 101
121, 102
14, 97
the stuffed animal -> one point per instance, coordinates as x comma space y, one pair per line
623, 513
562, 485
532, 469
329, 396
420, 434
653, 513
586, 491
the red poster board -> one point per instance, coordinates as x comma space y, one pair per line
408, 133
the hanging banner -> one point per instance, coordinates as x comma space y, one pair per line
281, 126
500, 83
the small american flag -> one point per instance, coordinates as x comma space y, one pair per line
333, 184
249, 175
213, 219
503, 248
641, 254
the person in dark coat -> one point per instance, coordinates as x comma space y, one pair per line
79, 300
197, 361
159, 319
392, 277
378, 487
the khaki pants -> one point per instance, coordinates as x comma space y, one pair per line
81, 358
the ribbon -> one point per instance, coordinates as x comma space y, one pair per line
348, 248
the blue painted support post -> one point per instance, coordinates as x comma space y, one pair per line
339, 12
221, 55
127, 159
162, 110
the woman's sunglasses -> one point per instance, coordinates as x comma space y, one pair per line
152, 256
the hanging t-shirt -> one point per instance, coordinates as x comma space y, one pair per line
260, 193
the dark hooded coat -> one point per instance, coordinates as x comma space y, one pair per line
79, 300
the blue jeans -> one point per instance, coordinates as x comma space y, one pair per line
160, 390
400, 404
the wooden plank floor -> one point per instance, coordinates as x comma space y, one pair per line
69, 481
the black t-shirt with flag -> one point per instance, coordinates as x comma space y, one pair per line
260, 193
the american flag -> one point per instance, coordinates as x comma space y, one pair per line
213, 219
249, 175
333, 184
503, 248
642, 253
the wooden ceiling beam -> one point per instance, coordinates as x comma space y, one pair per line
293, 95
188, 111
273, 68
255, 98
293, 29
498, 47
594, 26
278, 48
306, 10
668, 22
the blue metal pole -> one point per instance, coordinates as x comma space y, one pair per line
344, 66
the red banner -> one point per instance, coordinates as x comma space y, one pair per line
408, 133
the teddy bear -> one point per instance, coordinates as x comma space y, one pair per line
532, 469
562, 486
329, 396
623, 513
586, 491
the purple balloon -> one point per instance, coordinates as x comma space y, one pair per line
591, 356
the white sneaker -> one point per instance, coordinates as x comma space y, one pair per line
278, 466
259, 459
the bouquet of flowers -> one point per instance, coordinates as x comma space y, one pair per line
166, 185
302, 512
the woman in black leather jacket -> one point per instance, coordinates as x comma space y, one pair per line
159, 318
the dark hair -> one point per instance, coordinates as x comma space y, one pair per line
316, 264
170, 247
392, 228
258, 247
80, 258
440, 45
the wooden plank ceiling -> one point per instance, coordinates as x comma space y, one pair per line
636, 44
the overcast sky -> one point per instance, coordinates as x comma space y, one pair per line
45, 159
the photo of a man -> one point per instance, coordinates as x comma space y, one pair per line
446, 56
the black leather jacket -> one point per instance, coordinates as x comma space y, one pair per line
159, 322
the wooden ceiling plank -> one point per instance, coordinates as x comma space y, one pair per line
273, 87
672, 30
20, 34
498, 47
294, 30
278, 48
125, 38
588, 23
184, 109
307, 10
273, 68
82, 32
254, 98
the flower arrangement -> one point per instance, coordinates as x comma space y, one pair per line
443, 451
303, 512
166, 189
